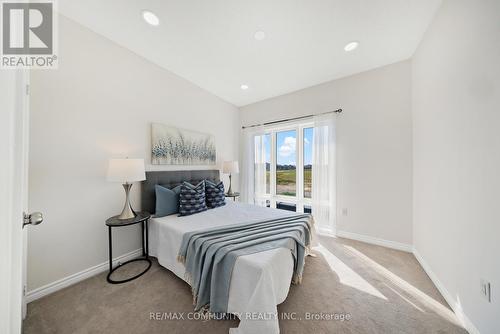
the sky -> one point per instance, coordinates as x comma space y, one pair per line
286, 144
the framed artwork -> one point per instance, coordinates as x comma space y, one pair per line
174, 146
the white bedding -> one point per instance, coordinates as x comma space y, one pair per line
259, 281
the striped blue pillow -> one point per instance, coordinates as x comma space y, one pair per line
214, 194
192, 198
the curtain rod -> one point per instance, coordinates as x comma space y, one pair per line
337, 111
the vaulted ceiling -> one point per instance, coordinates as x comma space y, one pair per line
212, 42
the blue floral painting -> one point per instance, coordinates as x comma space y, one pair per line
174, 146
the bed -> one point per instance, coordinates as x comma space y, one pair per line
259, 282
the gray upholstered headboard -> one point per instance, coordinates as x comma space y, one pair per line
170, 179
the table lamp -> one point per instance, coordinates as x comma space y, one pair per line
126, 171
230, 167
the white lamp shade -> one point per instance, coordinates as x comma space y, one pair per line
230, 167
126, 170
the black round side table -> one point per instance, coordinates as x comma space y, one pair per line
140, 218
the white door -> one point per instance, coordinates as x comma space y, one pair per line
14, 129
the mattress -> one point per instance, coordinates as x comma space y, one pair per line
259, 281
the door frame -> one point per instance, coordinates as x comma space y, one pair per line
14, 134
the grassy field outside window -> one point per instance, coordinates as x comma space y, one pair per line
286, 181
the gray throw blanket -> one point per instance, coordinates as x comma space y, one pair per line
209, 255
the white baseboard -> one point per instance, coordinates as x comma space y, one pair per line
376, 241
80, 276
466, 322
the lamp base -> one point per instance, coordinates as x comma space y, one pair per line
127, 212
230, 191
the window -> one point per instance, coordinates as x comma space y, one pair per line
283, 167
286, 163
286, 206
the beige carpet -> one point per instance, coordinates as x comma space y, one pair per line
373, 289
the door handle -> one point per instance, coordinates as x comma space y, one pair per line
32, 219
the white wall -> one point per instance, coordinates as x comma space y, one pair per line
374, 153
99, 104
456, 99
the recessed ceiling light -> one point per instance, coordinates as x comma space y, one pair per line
244, 87
150, 18
351, 46
259, 35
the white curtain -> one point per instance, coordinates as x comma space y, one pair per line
247, 168
254, 166
323, 173
260, 169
